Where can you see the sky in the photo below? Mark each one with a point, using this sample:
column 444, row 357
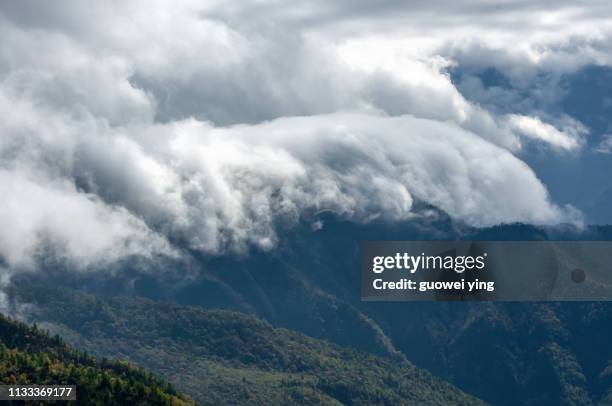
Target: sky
column 133, row 127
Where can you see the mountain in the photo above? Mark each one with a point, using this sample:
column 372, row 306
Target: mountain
column 504, row 353
column 223, row 357
column 30, row 356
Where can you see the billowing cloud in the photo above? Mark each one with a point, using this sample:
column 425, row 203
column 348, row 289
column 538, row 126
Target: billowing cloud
column 106, row 191
column 72, row 225
column 211, row 125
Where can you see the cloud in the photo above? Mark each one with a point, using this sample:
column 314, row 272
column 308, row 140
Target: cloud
column 73, row 225
column 218, row 188
column 605, row 146
column 216, row 125
column 535, row 128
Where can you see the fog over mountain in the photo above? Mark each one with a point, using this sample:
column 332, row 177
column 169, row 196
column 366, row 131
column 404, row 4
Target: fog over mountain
column 133, row 128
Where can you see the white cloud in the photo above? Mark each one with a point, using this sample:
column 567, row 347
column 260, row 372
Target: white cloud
column 77, row 226
column 217, row 188
column 535, row 128
column 605, row 146
column 213, row 124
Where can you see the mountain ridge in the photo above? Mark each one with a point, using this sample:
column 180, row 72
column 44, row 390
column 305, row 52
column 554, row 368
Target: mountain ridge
column 311, row 284
column 224, row 357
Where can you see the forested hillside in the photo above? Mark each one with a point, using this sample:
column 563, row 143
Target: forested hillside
column 28, row 355
column 223, row 357
column 504, row 353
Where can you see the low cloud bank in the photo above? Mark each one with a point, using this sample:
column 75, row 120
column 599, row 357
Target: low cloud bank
column 124, row 132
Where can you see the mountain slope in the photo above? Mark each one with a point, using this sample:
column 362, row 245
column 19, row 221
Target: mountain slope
column 222, row 357
column 504, row 353
column 30, row 356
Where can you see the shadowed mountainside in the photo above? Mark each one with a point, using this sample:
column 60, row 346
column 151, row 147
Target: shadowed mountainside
column 504, row 353
column 223, row 357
